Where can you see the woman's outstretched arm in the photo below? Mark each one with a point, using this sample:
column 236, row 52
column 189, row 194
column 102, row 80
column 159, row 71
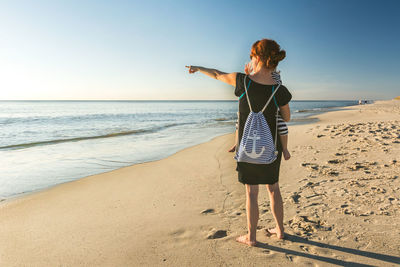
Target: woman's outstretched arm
column 229, row 78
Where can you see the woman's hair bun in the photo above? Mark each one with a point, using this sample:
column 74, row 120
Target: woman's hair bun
column 280, row 55
column 269, row 52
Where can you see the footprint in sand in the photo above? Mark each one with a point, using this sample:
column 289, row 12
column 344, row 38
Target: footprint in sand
column 214, row 234
column 341, row 154
column 309, row 185
column 206, row 211
column 357, row 166
column 266, row 251
column 333, row 161
column 306, row 226
column 294, row 198
column 304, row 248
column 378, row 189
column 264, row 210
column 311, row 166
column 333, row 173
column 289, row 257
column 336, row 161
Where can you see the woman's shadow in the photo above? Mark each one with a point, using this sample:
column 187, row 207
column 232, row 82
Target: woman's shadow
column 297, row 239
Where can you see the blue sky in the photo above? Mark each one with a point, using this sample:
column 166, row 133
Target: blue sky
column 139, row 49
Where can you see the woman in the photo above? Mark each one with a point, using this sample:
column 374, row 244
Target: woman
column 265, row 55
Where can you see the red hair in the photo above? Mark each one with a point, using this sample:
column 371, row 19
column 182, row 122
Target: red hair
column 269, row 51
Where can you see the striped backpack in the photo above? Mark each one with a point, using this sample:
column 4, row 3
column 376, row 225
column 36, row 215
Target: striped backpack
column 257, row 145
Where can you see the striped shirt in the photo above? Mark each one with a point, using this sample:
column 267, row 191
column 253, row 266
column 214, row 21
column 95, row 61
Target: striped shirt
column 282, row 127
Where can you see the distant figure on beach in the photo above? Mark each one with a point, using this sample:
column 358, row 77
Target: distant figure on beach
column 265, row 55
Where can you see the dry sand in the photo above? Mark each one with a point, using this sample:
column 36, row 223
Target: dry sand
column 340, row 190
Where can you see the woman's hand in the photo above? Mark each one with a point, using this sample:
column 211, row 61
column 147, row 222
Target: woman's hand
column 192, row 69
column 248, row 68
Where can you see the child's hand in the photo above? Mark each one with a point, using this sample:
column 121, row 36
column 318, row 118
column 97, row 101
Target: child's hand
column 248, row 68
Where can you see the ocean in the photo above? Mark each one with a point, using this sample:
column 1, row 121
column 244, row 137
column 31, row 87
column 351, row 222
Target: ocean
column 45, row 143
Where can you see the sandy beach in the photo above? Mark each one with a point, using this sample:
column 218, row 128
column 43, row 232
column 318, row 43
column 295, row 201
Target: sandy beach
column 341, row 205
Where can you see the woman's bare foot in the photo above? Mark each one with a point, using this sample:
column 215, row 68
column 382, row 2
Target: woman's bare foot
column 245, row 240
column 274, row 231
column 286, row 154
column 232, row 149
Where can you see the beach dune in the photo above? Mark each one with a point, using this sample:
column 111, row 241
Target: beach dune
column 340, row 190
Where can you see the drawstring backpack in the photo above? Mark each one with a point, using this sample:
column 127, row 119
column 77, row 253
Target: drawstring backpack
column 257, row 145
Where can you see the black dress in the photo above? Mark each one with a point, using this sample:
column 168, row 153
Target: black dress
column 249, row 173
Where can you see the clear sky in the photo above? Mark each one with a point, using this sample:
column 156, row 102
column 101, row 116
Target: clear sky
column 342, row 49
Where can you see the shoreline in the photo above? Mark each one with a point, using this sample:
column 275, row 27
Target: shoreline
column 339, row 189
column 21, row 195
column 308, row 119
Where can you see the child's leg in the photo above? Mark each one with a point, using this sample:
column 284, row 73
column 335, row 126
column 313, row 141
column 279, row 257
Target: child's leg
column 284, row 142
column 283, row 135
column 236, row 138
column 234, row 147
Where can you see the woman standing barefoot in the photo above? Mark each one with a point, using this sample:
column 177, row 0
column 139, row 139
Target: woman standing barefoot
column 265, row 55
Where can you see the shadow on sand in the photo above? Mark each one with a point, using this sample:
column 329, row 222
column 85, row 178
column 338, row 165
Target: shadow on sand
column 297, row 239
